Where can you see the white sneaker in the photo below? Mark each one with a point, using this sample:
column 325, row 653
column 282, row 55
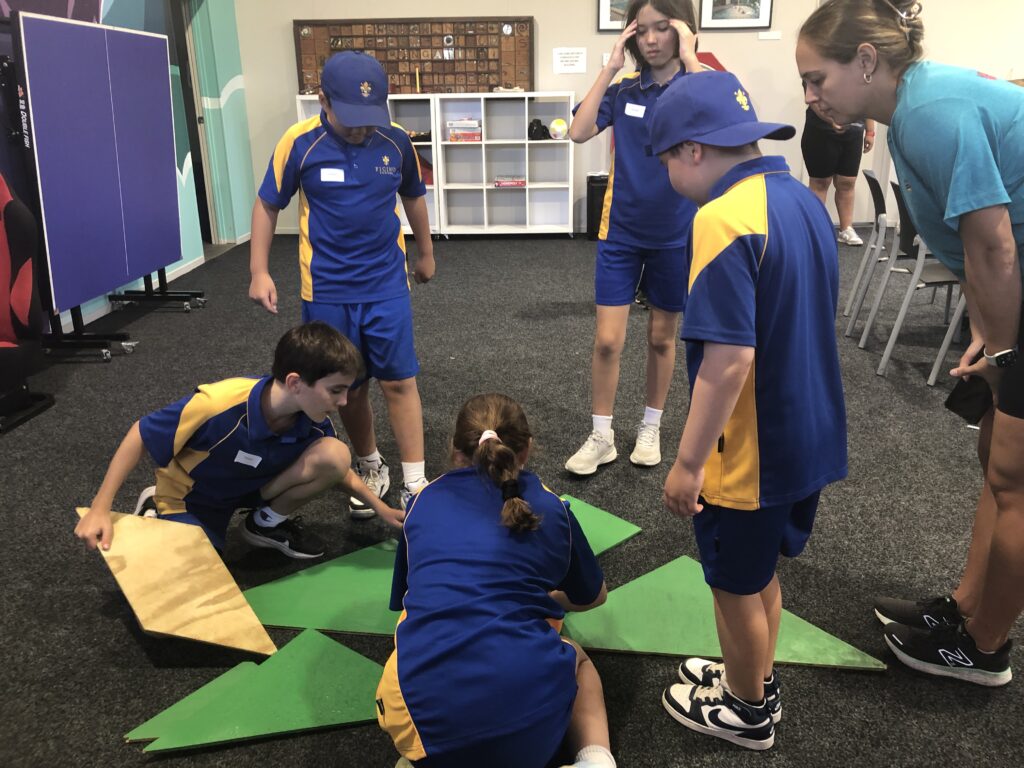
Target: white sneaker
column 647, row 452
column 378, row 480
column 146, row 504
column 849, row 237
column 597, row 450
column 408, row 493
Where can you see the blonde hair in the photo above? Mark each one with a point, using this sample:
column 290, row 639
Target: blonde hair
column 837, row 28
column 497, row 459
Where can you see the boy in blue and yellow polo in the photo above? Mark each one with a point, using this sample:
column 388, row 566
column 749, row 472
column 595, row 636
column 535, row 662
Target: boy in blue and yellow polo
column 347, row 165
column 266, row 444
column 644, row 225
column 766, row 429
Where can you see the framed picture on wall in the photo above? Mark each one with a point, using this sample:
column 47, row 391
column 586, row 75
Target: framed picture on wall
column 735, row 14
column 611, row 14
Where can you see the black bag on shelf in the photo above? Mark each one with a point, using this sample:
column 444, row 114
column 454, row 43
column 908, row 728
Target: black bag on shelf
column 537, row 130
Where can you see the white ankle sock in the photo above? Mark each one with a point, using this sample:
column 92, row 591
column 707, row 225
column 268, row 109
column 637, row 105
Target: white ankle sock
column 595, row 755
column 414, row 473
column 652, row 416
column 373, row 461
column 602, row 424
column 265, row 517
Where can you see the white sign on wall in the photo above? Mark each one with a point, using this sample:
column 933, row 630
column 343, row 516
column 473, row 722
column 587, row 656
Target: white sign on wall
column 569, row 61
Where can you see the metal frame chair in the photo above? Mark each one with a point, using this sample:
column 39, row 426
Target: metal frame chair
column 872, row 254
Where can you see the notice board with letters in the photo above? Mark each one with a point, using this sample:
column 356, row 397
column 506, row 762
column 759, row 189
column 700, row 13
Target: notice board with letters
column 455, row 55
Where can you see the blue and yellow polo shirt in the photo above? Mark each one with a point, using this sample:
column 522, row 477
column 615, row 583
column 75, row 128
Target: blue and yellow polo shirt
column 215, row 449
column 475, row 656
column 351, row 246
column 764, row 273
column 640, row 207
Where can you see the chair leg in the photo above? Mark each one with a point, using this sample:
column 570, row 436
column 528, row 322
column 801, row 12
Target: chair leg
column 949, row 303
column 951, row 331
column 879, row 293
column 865, row 283
column 901, row 316
column 868, row 251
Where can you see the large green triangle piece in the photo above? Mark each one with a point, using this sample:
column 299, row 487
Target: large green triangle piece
column 670, row 611
column 603, row 529
column 351, row 593
column 313, row 682
column 348, row 594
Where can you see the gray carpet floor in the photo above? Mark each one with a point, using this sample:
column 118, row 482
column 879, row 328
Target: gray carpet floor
column 513, row 315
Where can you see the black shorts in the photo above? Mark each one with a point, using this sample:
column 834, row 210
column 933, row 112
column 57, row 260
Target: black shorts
column 828, row 154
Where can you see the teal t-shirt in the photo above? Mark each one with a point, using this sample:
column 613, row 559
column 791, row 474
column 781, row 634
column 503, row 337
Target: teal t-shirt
column 957, row 140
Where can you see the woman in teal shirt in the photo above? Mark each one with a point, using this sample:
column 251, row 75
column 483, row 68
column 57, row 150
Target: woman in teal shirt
column 957, row 140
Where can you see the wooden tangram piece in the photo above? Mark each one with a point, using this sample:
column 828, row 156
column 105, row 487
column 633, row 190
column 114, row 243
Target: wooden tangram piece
column 670, row 611
column 178, row 586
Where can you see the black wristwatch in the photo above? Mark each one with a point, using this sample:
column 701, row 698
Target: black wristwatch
column 1003, row 359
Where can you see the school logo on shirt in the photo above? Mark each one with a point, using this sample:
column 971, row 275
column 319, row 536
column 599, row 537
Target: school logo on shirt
column 387, row 169
column 743, row 101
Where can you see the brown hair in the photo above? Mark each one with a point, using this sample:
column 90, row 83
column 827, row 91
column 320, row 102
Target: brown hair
column 837, row 28
column 498, row 459
column 674, row 9
column 315, row 350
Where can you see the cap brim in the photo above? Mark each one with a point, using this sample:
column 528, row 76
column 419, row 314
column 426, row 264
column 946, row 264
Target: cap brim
column 733, row 136
column 361, row 115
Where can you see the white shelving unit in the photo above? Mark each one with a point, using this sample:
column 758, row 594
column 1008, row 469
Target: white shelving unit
column 463, row 199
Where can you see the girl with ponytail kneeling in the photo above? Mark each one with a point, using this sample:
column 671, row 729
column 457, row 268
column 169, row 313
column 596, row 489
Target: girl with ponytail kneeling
column 488, row 563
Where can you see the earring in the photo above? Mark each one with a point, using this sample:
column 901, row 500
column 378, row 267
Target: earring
column 867, row 78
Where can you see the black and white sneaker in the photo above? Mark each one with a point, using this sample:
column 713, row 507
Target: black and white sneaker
column 949, row 652
column 289, row 537
column 697, row 671
column 714, row 711
column 146, row 505
column 920, row 614
column 378, row 480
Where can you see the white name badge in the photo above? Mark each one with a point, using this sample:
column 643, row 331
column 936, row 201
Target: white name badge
column 332, row 174
column 635, row 110
column 248, row 459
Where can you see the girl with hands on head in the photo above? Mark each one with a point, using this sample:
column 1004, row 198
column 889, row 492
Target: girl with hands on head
column 644, row 225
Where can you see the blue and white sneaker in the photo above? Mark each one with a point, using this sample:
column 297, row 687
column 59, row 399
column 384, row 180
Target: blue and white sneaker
column 714, row 711
column 709, row 673
column 948, row 651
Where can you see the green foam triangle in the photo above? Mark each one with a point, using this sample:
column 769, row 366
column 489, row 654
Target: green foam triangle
column 670, row 611
column 313, row 682
column 348, row 594
column 351, row 593
column 186, row 709
column 603, row 529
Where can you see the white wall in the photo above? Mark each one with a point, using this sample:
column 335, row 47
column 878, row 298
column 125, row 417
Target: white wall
column 983, row 34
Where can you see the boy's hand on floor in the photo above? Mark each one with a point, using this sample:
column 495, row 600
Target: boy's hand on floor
column 96, row 528
column 391, row 516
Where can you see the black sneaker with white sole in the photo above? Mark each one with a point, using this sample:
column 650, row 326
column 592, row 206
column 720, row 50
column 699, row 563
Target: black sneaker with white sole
column 698, row 671
column 948, row 651
column 920, row 614
column 289, row 537
column 714, row 711
column 146, row 504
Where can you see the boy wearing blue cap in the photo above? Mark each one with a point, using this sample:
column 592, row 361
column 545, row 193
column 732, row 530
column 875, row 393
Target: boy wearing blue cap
column 347, row 165
column 766, row 429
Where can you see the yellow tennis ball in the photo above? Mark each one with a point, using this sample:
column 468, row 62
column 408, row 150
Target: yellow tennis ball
column 558, row 128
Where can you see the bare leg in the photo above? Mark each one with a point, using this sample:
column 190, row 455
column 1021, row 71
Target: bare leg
column 820, row 189
column 749, row 641
column 1002, row 599
column 322, row 465
column 589, row 723
column 845, row 189
column 661, row 355
column 357, row 417
column 771, row 599
column 609, row 339
column 972, row 582
column 406, row 415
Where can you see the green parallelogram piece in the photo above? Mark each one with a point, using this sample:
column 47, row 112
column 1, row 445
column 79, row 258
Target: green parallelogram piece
column 348, row 594
column 603, row 529
column 670, row 611
column 313, row 682
column 211, row 694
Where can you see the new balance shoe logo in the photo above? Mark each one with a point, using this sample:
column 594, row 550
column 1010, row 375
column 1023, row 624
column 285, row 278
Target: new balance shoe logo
column 958, row 659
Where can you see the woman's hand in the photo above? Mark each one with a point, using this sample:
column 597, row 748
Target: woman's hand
column 617, row 60
column 687, row 45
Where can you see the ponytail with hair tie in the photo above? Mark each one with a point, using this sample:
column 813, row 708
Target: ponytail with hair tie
column 510, row 490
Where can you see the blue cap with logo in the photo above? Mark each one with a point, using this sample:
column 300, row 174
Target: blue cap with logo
column 708, row 108
column 357, row 87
